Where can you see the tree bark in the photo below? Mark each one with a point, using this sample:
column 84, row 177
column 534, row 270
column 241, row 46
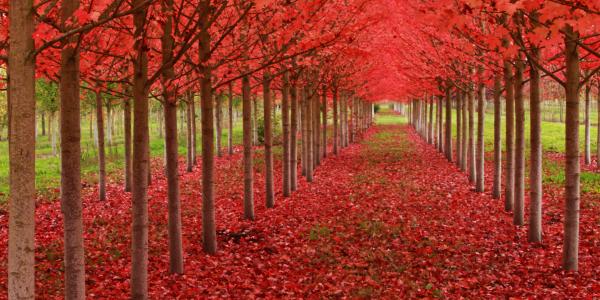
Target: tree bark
column 509, row 130
column 309, row 134
column 101, row 149
column 535, row 168
column 70, row 142
column 219, row 115
column 440, row 125
column 230, row 119
column 324, row 123
column 248, row 151
column 588, row 150
column 316, row 129
column 480, row 182
column 194, row 130
column 209, row 231
column 518, row 216
column 128, row 163
column 335, row 121
column 430, row 127
column 471, row 141
column 171, row 143
column 285, row 121
column 465, row 131
column 21, row 136
column 458, row 129
column 255, row 122
column 141, row 163
column 448, row 133
column 571, row 225
column 268, row 140
column 293, row 139
column 189, row 134
column 497, row 188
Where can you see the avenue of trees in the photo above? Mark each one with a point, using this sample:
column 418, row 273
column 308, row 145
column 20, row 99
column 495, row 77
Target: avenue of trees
column 308, row 59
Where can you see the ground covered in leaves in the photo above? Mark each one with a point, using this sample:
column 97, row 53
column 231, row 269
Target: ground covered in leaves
column 388, row 218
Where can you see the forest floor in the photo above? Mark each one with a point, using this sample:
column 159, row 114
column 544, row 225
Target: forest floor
column 387, row 218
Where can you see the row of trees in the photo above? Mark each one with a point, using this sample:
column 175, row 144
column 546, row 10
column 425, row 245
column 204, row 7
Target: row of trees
column 173, row 51
column 510, row 48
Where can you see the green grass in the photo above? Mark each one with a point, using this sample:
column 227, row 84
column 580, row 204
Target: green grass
column 47, row 166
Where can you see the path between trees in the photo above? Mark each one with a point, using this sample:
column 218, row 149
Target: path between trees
column 389, row 217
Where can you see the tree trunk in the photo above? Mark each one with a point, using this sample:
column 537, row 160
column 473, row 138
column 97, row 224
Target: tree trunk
column 141, row 163
column 335, row 121
column 109, row 123
column 189, row 134
column 285, row 121
column 293, row 137
column 471, row 141
column 458, row 129
column 571, row 225
column 598, row 129
column 496, row 189
column 194, row 130
column 448, row 133
column 209, row 232
column 440, row 125
column 465, row 131
column 21, row 136
column 430, row 127
column 509, row 130
column 268, row 139
column 230, row 119
column 303, row 129
column 43, row 124
column 518, row 216
column 324, row 135
column 316, row 114
column 127, row 124
column 248, row 151
column 535, row 168
column 101, row 149
column 588, row 150
column 70, row 142
column 309, row 134
column 219, row 115
column 480, row 182
column 255, row 122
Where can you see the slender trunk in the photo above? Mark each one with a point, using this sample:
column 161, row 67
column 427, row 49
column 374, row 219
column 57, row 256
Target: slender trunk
column 458, row 129
column 128, row 163
column 335, row 121
column 101, row 149
column 324, row 135
column 303, row 129
column 571, row 225
column 293, row 137
column 141, row 163
column 309, row 134
column 510, row 123
column 285, row 121
column 316, row 110
column 70, row 148
column 230, row 119
column 440, row 125
column 268, row 139
column 209, row 232
column 248, row 151
column 465, row 131
column 254, row 122
column 21, row 136
column 448, row 133
column 109, row 122
column 53, row 134
column 588, row 150
column 518, row 216
column 480, row 182
column 471, row 141
column 496, row 189
column 535, row 168
column 430, row 127
column 189, row 134
column 598, row 129
column 194, row 130
column 43, row 123
column 219, row 115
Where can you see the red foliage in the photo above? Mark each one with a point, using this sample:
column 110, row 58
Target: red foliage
column 387, row 218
